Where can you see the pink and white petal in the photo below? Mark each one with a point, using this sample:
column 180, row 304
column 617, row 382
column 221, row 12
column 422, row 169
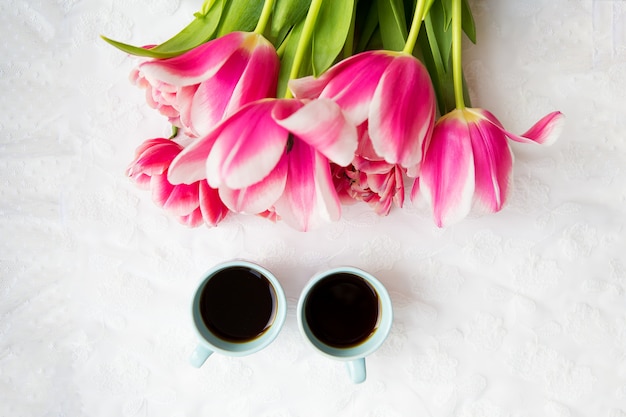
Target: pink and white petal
column 355, row 80
column 156, row 145
column 447, row 173
column 398, row 197
column 402, row 113
column 179, row 200
column 212, row 208
column 249, row 146
column 414, row 171
column 270, row 215
column 415, row 191
column 153, row 157
column 141, row 180
column 194, row 219
column 257, row 81
column 190, row 165
column 493, row 162
column 309, row 198
column 365, row 149
column 196, row 65
column 372, row 167
column 308, row 87
column 184, row 99
column 351, row 83
column 322, row 124
column 545, row 132
column 211, row 100
column 258, row 197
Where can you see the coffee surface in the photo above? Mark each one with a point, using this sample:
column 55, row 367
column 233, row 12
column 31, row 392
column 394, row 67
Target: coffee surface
column 342, row 310
column 238, row 304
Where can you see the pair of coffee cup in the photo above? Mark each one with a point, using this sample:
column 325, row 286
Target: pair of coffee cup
column 239, row 308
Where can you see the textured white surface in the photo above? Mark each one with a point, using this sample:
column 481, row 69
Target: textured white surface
column 517, row 314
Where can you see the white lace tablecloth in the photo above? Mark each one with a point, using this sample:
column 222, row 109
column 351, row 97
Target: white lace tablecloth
column 518, row 314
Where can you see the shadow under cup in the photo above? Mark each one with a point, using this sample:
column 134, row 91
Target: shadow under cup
column 238, row 309
column 345, row 314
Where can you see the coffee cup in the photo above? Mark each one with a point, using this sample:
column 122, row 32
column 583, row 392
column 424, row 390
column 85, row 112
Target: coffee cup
column 345, row 314
column 238, row 309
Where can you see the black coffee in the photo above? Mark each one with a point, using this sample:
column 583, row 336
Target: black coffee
column 342, row 310
column 238, row 304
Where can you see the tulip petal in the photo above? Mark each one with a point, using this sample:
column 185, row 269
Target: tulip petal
column 258, row 197
column 259, row 79
column 545, row 132
column 211, row 206
column 238, row 82
column 321, row 124
column 350, row 83
column 402, row 112
column 493, row 162
column 193, row 219
column 190, row 165
column 447, row 173
column 213, row 96
column 398, row 197
column 309, row 198
column 195, row 65
column 179, row 199
column 249, row 146
column 153, row 157
column 308, row 87
column 184, row 99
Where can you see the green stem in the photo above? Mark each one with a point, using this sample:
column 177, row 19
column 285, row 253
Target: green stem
column 268, row 5
column 416, row 24
column 305, row 39
column 457, row 67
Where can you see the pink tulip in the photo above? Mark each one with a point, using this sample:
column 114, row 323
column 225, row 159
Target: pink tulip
column 468, row 163
column 199, row 88
column 274, row 155
column 193, row 204
column 391, row 91
column 370, row 179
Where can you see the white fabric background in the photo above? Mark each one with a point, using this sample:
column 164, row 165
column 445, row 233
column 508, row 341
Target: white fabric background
column 518, row 314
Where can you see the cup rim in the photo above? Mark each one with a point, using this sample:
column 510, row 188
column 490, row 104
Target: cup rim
column 234, row 348
column 370, row 345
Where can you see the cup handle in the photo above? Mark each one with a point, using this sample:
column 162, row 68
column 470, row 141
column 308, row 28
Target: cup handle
column 356, row 370
column 199, row 356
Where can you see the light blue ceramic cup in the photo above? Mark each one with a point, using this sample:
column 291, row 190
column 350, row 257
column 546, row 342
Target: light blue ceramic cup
column 209, row 342
column 353, row 356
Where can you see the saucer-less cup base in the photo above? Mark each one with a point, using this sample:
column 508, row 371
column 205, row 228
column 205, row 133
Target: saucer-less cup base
column 210, row 342
column 353, row 356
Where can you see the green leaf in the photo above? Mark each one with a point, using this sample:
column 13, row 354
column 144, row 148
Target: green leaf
column 468, row 24
column 134, row 50
column 240, row 15
column 392, row 24
column 442, row 80
column 200, row 30
column 286, row 14
column 428, row 5
column 367, row 23
column 439, row 30
column 329, row 36
column 446, row 5
column 375, row 42
column 196, row 33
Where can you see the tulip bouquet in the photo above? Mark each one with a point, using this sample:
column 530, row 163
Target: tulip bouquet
column 288, row 109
